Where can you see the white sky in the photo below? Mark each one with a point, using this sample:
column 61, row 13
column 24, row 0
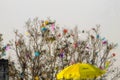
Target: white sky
column 84, row 13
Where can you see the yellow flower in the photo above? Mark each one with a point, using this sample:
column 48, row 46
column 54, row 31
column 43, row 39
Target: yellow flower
column 27, row 33
column 46, row 22
column 36, row 78
column 107, row 64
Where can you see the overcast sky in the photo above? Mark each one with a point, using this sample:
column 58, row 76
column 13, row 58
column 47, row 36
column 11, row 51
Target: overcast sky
column 68, row 13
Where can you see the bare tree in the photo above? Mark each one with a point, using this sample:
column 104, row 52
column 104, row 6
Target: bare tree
column 45, row 49
column 2, row 49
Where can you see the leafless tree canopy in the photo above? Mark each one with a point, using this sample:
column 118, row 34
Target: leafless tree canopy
column 46, row 48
